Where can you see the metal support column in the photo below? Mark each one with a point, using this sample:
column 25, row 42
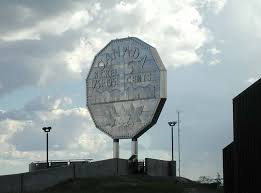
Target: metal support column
column 172, row 151
column 47, row 161
column 47, row 130
column 172, row 124
column 116, row 149
column 179, row 142
column 134, row 147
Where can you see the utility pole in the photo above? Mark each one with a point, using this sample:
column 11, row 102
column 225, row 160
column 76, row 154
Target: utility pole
column 179, row 140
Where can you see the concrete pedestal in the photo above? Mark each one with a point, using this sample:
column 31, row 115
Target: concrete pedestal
column 172, row 168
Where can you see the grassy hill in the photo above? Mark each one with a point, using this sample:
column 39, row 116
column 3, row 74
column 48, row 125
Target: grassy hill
column 129, row 184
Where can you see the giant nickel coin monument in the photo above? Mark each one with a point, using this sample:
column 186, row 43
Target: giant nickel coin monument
column 126, row 90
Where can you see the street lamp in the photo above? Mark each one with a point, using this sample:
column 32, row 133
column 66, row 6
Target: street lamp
column 47, row 130
column 172, row 124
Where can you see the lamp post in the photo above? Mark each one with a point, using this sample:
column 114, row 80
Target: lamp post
column 179, row 141
column 47, row 130
column 172, row 124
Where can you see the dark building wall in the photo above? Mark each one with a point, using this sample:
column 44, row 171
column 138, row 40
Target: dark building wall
column 36, row 166
column 39, row 180
column 43, row 178
column 35, row 181
column 155, row 167
column 228, row 168
column 247, row 139
column 11, row 183
column 109, row 167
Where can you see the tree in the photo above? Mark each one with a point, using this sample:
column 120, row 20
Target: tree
column 218, row 179
column 205, row 179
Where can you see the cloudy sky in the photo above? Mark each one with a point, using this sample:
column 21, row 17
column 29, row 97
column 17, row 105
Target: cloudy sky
column 211, row 49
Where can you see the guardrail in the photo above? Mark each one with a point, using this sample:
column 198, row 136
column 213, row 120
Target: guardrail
column 38, row 165
column 69, row 160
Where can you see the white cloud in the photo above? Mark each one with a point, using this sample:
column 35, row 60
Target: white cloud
column 214, row 56
column 21, row 137
column 252, row 80
column 215, row 5
column 65, row 42
column 83, row 53
column 248, row 23
column 214, row 51
column 214, row 62
column 48, row 103
column 60, row 46
column 90, row 141
column 125, row 7
column 149, row 21
column 56, row 26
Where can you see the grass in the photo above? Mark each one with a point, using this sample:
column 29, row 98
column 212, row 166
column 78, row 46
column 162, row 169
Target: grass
column 129, row 184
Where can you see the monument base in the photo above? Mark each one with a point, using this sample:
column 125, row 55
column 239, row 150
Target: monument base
column 116, row 167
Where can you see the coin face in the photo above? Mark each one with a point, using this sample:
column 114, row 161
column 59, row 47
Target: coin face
column 126, row 88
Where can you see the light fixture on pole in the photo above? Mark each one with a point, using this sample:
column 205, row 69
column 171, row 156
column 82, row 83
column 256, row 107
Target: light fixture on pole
column 172, row 124
column 47, row 130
